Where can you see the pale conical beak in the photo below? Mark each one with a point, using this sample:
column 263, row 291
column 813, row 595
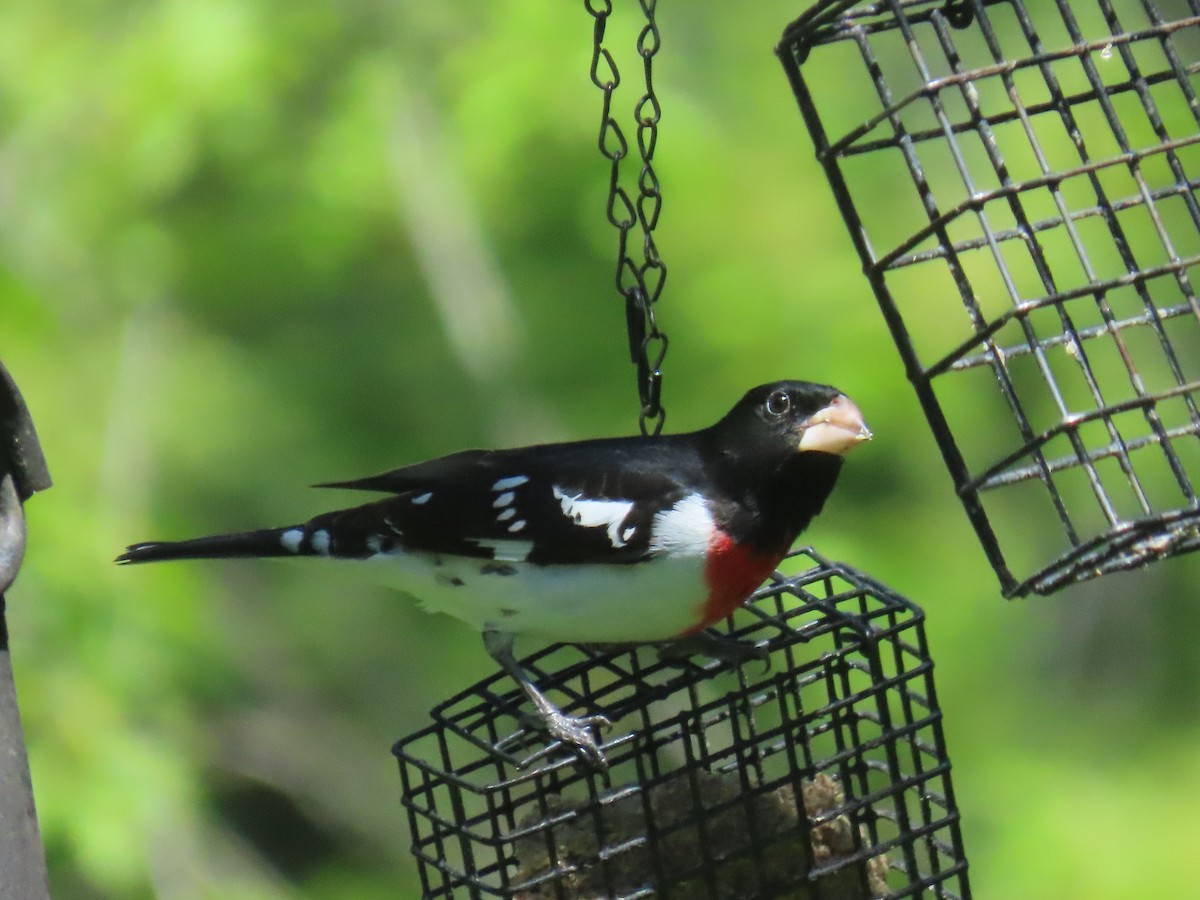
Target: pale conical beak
column 838, row 428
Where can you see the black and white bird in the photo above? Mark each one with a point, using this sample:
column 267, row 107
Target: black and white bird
column 617, row 540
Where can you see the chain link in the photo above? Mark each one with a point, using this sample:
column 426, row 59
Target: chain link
column 640, row 283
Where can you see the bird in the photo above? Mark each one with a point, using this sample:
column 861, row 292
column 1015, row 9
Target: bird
column 621, row 540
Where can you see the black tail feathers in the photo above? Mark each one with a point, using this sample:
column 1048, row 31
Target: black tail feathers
column 293, row 541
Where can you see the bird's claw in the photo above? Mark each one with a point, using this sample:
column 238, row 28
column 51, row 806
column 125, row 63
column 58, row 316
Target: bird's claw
column 575, row 732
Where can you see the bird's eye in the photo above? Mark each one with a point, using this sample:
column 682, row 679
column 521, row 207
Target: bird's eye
column 778, row 403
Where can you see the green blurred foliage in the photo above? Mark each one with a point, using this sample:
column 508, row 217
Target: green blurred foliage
column 251, row 245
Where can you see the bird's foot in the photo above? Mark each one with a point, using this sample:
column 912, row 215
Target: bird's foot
column 714, row 646
column 577, row 733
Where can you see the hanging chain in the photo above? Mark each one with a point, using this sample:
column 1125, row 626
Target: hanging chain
column 640, row 284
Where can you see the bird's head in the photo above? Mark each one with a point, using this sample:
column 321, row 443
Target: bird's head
column 789, row 417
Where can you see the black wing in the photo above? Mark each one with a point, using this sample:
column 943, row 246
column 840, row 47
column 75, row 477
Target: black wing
column 592, row 501
column 420, row 475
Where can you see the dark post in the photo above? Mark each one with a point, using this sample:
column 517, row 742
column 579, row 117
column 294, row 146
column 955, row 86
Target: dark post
column 22, row 472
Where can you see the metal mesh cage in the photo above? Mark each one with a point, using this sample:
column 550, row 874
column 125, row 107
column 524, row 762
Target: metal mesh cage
column 1018, row 179
column 822, row 775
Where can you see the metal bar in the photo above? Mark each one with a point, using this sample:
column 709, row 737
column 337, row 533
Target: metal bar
column 1033, row 109
column 1002, row 67
column 958, row 361
column 22, row 859
column 22, row 471
column 833, row 172
column 978, row 201
column 987, row 479
column 1181, row 190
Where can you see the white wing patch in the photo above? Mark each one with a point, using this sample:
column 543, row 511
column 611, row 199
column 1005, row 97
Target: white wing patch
column 291, row 539
column 607, row 514
column 683, row 530
column 320, row 542
column 423, row 499
column 504, row 501
column 507, row 484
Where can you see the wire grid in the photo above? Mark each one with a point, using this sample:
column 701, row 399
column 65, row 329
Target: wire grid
column 1018, row 179
column 823, row 776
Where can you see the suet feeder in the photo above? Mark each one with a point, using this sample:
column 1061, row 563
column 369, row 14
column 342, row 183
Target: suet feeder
column 819, row 772
column 1018, row 179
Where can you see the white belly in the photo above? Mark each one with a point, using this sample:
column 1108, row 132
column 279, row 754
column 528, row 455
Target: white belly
column 646, row 601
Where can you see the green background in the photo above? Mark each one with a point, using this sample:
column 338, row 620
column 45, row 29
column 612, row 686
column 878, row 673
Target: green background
column 246, row 246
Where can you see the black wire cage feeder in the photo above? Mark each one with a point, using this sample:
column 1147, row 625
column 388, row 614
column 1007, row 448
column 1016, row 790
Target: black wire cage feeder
column 818, row 773
column 1018, row 178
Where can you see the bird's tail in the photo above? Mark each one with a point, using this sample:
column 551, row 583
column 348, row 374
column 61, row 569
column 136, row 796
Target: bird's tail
column 291, row 541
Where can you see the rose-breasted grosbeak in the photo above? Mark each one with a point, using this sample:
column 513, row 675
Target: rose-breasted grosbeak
column 618, row 540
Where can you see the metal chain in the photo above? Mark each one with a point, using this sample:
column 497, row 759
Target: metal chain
column 639, row 283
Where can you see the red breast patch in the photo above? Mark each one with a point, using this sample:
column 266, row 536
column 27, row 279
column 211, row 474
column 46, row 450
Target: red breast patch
column 732, row 572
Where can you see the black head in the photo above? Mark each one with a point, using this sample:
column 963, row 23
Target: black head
column 777, row 421
column 777, row 455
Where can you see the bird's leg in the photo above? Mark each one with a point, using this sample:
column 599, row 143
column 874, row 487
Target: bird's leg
column 714, row 646
column 575, row 732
